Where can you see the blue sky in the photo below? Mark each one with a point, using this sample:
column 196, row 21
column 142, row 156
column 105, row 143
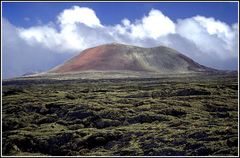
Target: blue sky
column 38, row 36
column 16, row 12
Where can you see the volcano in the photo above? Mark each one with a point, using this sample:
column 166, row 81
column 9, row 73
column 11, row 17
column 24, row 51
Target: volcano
column 119, row 57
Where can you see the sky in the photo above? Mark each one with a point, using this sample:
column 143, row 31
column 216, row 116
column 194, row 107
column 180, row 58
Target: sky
column 37, row 36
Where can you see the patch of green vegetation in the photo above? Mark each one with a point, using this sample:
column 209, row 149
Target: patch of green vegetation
column 191, row 116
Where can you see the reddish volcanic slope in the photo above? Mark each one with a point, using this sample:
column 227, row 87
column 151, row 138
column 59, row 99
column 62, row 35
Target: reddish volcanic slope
column 106, row 57
column 111, row 57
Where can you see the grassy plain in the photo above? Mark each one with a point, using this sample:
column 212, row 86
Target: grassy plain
column 152, row 116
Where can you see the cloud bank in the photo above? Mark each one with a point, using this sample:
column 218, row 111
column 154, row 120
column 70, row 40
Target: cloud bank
column 19, row 57
column 206, row 40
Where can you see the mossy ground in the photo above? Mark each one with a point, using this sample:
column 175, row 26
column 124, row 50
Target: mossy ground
column 161, row 116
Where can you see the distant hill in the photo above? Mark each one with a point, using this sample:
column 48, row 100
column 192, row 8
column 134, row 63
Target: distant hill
column 119, row 57
column 30, row 73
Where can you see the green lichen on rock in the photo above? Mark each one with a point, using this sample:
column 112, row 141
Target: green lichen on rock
column 191, row 116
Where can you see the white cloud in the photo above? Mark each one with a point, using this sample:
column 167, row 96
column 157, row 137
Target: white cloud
column 18, row 57
column 226, row 33
column 78, row 14
column 126, row 22
column 152, row 26
column 156, row 24
column 41, row 34
column 213, row 26
column 213, row 38
column 69, row 38
column 205, row 39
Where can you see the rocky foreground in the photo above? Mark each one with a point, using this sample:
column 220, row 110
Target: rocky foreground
column 155, row 116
